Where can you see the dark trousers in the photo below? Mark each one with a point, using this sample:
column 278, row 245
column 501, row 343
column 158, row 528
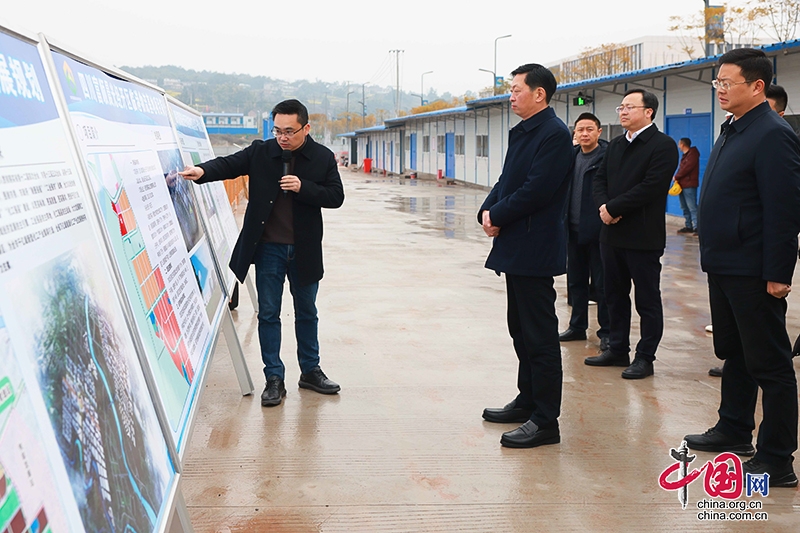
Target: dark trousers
column 583, row 261
column 622, row 266
column 533, row 325
column 750, row 336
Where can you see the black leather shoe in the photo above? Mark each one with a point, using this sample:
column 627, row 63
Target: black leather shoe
column 714, row 441
column 274, row 392
column 572, row 335
column 639, row 369
column 509, row 413
column 715, row 372
column 778, row 476
column 316, row 380
column 529, row 435
column 605, row 344
column 607, row 359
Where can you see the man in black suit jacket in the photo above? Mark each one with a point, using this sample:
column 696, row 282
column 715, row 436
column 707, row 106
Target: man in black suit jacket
column 750, row 218
column 630, row 189
column 282, row 236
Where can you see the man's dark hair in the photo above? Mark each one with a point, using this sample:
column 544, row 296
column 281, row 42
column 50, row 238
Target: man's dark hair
column 292, row 107
column 686, row 141
column 777, row 93
column 754, row 63
column 589, row 116
column 648, row 99
column 538, row 76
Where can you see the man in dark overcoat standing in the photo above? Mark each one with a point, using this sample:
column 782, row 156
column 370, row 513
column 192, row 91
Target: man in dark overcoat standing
column 526, row 214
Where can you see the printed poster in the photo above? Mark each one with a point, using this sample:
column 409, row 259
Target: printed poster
column 81, row 448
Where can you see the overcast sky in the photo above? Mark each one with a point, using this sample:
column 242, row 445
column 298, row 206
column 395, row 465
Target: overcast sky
column 341, row 41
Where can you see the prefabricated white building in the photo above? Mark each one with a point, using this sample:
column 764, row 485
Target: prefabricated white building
column 468, row 143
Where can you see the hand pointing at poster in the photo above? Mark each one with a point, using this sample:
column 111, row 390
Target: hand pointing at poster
column 192, row 173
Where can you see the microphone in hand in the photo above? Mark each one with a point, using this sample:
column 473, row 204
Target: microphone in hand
column 286, row 156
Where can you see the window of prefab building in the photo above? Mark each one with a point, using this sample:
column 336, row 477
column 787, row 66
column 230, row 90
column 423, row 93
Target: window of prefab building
column 482, row 145
column 236, row 120
column 459, row 145
column 426, row 143
column 440, row 143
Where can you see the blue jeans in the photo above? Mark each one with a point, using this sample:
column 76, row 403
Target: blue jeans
column 688, row 198
column 274, row 262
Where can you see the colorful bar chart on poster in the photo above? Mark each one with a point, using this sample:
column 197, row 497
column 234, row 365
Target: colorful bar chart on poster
column 75, row 411
column 196, row 148
column 162, row 254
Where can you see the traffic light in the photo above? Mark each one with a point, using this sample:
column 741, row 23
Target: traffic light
column 582, row 100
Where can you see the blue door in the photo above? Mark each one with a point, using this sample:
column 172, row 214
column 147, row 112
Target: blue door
column 450, row 155
column 391, row 156
column 698, row 128
column 412, row 163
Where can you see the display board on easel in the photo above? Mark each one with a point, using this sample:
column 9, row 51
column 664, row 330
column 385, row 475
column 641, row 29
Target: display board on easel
column 128, row 148
column 195, row 147
column 81, row 444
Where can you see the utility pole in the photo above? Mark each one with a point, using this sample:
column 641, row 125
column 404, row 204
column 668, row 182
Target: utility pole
column 397, row 65
column 363, row 106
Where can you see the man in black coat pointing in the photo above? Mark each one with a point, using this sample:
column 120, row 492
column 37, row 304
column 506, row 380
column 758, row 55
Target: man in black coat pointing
column 282, row 236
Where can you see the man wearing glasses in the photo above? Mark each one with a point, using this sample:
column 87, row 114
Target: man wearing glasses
column 630, row 189
column 282, row 236
column 750, row 206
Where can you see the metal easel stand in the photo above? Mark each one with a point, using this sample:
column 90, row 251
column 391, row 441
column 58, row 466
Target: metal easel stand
column 237, row 354
column 179, row 516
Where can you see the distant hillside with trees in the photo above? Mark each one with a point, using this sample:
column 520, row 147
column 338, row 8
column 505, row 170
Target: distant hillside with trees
column 327, row 102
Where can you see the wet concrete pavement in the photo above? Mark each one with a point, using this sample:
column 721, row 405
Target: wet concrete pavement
column 413, row 328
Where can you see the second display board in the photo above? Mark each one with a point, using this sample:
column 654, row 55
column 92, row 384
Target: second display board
column 163, row 256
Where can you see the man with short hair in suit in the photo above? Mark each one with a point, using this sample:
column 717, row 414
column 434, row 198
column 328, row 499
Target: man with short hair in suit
column 750, row 209
column 630, row 189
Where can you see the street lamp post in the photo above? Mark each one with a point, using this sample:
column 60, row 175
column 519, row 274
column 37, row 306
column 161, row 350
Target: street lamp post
column 422, row 87
column 493, row 76
column 494, row 70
